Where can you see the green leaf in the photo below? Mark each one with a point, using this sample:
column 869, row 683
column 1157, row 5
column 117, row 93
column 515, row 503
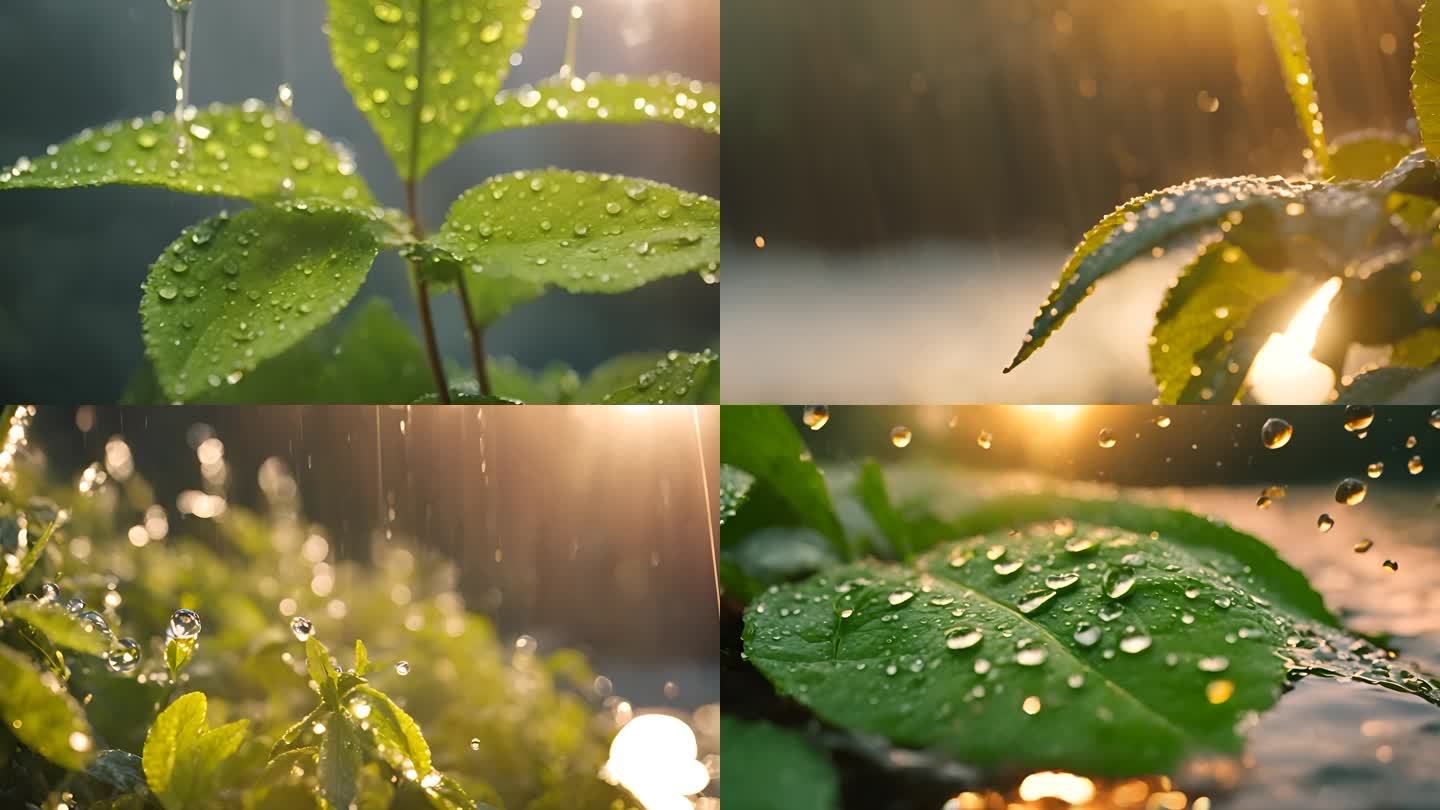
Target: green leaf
column 1216, row 299
column 41, row 714
column 289, row 739
column 734, row 489
column 761, row 440
column 176, row 729
column 322, row 672
column 579, row 231
column 665, row 99
column 121, row 771
column 340, row 762
column 63, row 628
column 178, row 652
column 234, row 291
column 198, row 764
column 449, row 795
column 1367, row 154
column 423, row 72
column 769, row 556
column 397, row 732
column 12, row 576
column 362, row 658
column 771, row 768
column 1106, row 651
column 677, row 378
column 1393, row 386
column 870, row 489
column 1289, row 41
column 247, row 152
column 1425, row 77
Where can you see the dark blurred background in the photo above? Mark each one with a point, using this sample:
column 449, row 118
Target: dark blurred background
column 584, row 526
column 919, row 171
column 73, row 260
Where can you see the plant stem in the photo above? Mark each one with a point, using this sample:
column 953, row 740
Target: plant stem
column 477, row 337
column 412, row 210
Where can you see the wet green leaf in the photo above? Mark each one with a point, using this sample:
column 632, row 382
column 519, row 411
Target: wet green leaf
column 1215, row 300
column 761, row 440
column 677, row 378
column 1394, row 386
column 232, row 292
column 119, row 770
column 41, row 714
column 322, row 671
column 870, row 489
column 340, row 762
column 63, row 628
column 667, row 99
column 245, row 152
column 1367, row 154
column 12, row 576
column 362, row 658
column 1289, row 41
column 176, row 730
column 734, row 489
column 396, row 731
column 1425, row 77
column 771, row 768
column 1079, row 646
column 178, row 652
column 424, row 72
column 579, row 231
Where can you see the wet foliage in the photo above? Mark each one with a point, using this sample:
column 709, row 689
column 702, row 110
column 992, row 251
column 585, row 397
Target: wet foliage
column 1358, row 227
column 236, row 294
column 145, row 669
column 1028, row 632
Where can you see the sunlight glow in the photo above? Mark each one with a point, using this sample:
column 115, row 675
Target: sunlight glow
column 654, row 757
column 1055, row 413
column 1067, row 787
column 1284, row 371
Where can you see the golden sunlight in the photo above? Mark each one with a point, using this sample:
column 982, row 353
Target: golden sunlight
column 1067, row 787
column 1283, row 370
column 654, row 757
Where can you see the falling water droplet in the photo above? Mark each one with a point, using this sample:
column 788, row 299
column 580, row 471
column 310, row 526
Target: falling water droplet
column 1106, row 438
column 984, row 440
column 1350, row 491
column 1375, row 469
column 816, row 416
column 900, row 436
column 1363, row 546
column 1358, row 417
column 1324, row 523
column 402, row 668
column 1415, row 465
column 301, row 627
column 1275, row 433
column 572, row 41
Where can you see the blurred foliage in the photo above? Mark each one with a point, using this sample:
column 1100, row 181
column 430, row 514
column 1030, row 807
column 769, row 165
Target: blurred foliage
column 504, row 726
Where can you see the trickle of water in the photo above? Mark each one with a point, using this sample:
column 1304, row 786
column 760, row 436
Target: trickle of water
column 1275, row 433
column 900, row 436
column 183, row 624
column 302, row 628
column 816, row 416
column 963, row 638
column 1324, row 523
column 1358, row 417
column 402, row 668
column 572, row 41
column 1350, row 491
column 1106, row 438
column 124, row 657
column 180, row 26
column 984, row 440
column 284, row 113
column 1118, row 581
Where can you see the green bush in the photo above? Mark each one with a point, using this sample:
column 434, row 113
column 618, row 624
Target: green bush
column 234, row 701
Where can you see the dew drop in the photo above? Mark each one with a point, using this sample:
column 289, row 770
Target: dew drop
column 1133, row 644
column 1364, row 545
column 963, row 638
column 1415, row 465
column 1391, row 565
column 1034, row 600
column 1005, row 569
column 1030, row 654
column 1087, row 634
column 1118, row 581
column 124, row 657
column 183, row 624
column 1058, row 581
column 301, row 627
column 1375, row 469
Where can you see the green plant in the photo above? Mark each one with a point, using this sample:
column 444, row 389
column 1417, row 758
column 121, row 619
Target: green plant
column 1109, row 638
column 253, row 711
column 234, row 292
column 1363, row 219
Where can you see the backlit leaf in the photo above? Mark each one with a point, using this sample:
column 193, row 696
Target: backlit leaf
column 174, row 730
column 1289, row 40
column 396, row 730
column 234, row 291
column 734, row 489
column 63, row 628
column 41, row 714
column 1425, row 77
column 424, row 71
column 667, row 99
column 677, row 378
column 242, row 151
column 340, row 762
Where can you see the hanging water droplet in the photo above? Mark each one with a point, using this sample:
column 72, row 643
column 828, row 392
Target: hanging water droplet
column 183, row 624
column 963, row 638
column 402, row 668
column 900, row 436
column 124, row 657
column 1324, row 523
column 301, row 627
column 984, row 440
column 816, row 416
column 1118, row 581
column 1350, row 491
column 1275, row 433
column 1106, row 438
column 1358, row 417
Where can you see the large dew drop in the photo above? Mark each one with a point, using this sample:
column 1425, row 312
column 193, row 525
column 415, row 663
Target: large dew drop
column 963, row 638
column 183, row 624
column 301, row 627
column 1275, row 433
column 1118, row 581
column 124, row 657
